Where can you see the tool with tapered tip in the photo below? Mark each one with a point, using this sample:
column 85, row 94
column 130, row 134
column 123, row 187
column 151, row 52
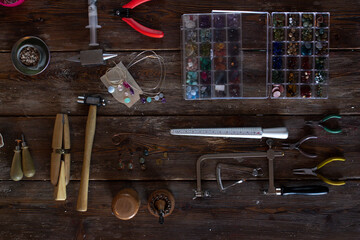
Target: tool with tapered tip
column 16, row 172
column 27, row 161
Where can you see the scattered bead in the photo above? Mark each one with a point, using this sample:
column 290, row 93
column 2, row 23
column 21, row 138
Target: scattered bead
column 141, row 160
column 161, row 95
column 148, row 99
column 111, row 89
column 157, row 98
column 121, row 165
column 146, row 152
column 127, row 100
column 130, row 166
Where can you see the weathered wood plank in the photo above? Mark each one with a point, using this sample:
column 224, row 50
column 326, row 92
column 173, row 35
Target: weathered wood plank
column 29, row 212
column 57, row 88
column 62, row 23
column 152, row 133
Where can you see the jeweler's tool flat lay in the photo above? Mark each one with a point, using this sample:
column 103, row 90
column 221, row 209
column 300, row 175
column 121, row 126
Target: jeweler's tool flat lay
column 313, row 171
column 242, row 132
column 124, row 13
column 226, row 97
column 323, row 121
column 60, row 168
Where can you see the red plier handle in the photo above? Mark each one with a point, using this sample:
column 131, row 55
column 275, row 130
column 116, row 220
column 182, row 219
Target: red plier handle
column 125, row 13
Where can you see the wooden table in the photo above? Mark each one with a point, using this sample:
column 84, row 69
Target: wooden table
column 29, row 105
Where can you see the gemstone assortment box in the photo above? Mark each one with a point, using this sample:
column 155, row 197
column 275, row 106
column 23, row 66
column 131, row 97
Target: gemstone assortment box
column 212, row 54
column 300, row 55
column 212, row 59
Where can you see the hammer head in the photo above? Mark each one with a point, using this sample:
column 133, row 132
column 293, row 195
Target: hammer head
column 92, row 100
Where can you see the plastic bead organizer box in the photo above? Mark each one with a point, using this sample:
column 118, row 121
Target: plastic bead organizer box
column 255, row 55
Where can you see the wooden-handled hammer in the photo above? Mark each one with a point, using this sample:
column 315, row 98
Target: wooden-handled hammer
column 94, row 102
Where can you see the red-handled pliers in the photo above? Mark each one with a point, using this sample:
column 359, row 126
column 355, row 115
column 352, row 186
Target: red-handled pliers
column 124, row 13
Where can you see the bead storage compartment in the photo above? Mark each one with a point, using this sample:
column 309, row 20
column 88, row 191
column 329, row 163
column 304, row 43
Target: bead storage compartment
column 300, row 55
column 212, row 65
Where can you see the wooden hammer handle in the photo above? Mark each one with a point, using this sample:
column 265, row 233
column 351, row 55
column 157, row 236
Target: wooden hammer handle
column 89, row 139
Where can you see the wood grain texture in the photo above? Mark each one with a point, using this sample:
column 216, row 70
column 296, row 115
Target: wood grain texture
column 137, row 133
column 240, row 213
column 56, row 90
column 29, row 104
column 56, row 21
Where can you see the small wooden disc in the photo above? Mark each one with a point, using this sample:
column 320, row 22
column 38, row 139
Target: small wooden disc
column 125, row 204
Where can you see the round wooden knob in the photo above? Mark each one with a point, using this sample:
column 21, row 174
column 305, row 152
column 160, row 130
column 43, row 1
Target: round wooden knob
column 126, row 204
column 161, row 201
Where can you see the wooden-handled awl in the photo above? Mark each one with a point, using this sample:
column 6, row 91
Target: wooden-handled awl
column 60, row 168
column 94, row 102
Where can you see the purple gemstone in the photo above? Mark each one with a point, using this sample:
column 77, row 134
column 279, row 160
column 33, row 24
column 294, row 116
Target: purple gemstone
column 163, row 100
column 219, row 21
column 126, row 85
column 143, row 100
column 204, row 21
column 132, row 91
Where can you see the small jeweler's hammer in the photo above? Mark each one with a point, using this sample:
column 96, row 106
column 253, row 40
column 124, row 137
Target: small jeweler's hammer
column 94, row 102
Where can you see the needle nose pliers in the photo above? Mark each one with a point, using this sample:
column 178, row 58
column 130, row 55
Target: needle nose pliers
column 296, row 146
column 124, row 13
column 322, row 122
column 312, row 171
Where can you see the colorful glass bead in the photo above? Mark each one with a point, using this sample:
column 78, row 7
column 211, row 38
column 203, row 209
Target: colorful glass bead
column 233, row 20
column 204, row 21
column 111, row 89
column 125, row 84
column 233, row 35
column 205, row 63
column 191, row 36
column 205, row 49
column 191, row 64
column 148, row 99
column 205, row 78
column 205, row 35
column 190, row 21
column 219, row 21
column 127, row 100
